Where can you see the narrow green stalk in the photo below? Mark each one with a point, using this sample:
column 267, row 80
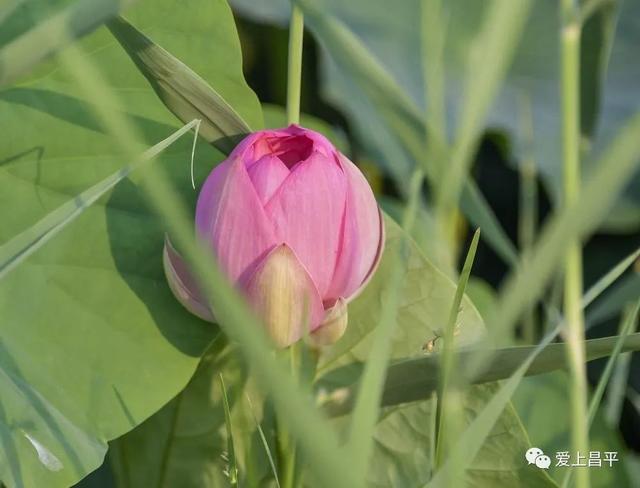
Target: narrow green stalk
column 287, row 448
column 433, row 33
column 289, row 472
column 294, row 67
column 286, row 444
column 287, row 454
column 528, row 212
column 627, row 326
column 574, row 331
column 448, row 355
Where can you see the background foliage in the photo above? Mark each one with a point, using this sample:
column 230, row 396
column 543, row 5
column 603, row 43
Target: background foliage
column 93, row 347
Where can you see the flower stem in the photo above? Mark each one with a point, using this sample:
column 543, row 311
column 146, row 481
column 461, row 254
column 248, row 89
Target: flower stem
column 574, row 333
column 302, row 371
column 284, row 458
column 286, row 445
column 294, row 67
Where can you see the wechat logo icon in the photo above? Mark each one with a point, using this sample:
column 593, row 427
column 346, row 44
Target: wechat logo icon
column 536, row 456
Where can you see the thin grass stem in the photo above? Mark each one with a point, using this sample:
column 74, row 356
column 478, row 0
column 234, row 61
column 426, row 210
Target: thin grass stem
column 574, row 316
column 294, row 66
column 448, row 354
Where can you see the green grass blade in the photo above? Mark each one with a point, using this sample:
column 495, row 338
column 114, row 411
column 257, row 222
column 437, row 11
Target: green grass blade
column 232, row 464
column 265, row 444
column 630, row 320
column 612, row 410
column 432, row 36
column 185, row 93
column 415, row 379
column 603, row 283
column 479, row 212
column 13, row 252
column 449, row 355
column 47, row 38
column 370, row 388
column 624, row 291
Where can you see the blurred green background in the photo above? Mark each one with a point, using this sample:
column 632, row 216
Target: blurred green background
column 497, row 166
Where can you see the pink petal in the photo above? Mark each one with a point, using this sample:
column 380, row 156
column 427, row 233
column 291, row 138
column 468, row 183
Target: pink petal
column 267, row 175
column 230, row 216
column 291, row 144
column 320, row 143
column 291, row 149
column 362, row 235
column 375, row 264
column 306, row 213
column 252, row 147
column 257, row 144
column 333, row 326
column 182, row 284
column 283, row 294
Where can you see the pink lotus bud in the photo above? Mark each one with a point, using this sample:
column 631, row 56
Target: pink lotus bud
column 295, row 225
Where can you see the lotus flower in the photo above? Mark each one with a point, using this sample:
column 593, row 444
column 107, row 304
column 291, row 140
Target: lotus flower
column 294, row 224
